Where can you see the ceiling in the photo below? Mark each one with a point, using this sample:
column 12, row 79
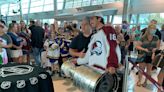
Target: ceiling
column 7, row 1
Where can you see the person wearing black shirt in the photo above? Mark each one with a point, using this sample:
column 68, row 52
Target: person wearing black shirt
column 79, row 44
column 37, row 37
column 157, row 33
column 32, row 24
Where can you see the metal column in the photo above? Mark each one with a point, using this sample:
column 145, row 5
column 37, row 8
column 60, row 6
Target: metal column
column 125, row 10
column 129, row 17
column 125, row 84
column 64, row 3
column 138, row 16
column 81, row 3
column 112, row 18
column 108, row 18
column 43, row 5
column 20, row 9
column 55, row 8
column 90, row 2
column 6, row 19
column 125, row 17
column 28, row 13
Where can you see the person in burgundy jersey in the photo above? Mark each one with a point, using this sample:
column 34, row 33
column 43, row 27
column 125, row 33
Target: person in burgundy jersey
column 103, row 51
column 97, row 22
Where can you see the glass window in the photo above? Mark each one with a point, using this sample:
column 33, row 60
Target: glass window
column 96, row 2
column 14, row 9
column 24, row 11
column 69, row 0
column 69, row 4
column 11, row 13
column 49, row 7
column 117, row 19
column 109, row 1
column 105, row 19
column 77, row 3
column 60, row 0
column 37, row 3
column 4, row 6
column 36, row 9
column 4, row 13
column 49, row 21
column 4, row 9
column 25, row 1
column 60, row 6
column 86, row 2
column 144, row 19
column 133, row 19
column 24, row 5
column 49, row 2
column 34, row 0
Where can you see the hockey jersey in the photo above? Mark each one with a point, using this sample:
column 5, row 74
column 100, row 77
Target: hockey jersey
column 103, row 50
column 53, row 49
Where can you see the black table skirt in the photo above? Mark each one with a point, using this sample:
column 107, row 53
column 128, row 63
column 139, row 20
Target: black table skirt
column 24, row 78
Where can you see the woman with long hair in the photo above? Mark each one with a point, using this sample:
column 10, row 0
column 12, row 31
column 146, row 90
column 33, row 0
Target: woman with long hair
column 146, row 46
column 26, row 34
column 16, row 50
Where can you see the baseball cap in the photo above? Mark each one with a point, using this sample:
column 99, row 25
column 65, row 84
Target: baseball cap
column 97, row 14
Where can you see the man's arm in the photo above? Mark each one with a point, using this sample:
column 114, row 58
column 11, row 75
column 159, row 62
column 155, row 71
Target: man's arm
column 75, row 53
column 84, row 60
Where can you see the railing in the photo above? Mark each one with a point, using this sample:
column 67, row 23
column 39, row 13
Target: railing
column 130, row 60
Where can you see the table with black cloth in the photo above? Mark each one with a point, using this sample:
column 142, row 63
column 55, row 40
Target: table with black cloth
column 24, row 78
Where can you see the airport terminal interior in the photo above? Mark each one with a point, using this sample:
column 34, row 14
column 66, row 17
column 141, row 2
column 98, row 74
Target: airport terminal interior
column 81, row 45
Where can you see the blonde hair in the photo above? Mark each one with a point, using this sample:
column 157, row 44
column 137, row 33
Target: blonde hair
column 147, row 32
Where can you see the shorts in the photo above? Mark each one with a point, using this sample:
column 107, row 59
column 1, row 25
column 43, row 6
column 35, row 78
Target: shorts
column 53, row 60
column 16, row 53
column 148, row 60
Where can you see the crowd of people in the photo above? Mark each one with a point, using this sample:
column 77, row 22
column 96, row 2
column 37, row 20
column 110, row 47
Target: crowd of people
column 97, row 44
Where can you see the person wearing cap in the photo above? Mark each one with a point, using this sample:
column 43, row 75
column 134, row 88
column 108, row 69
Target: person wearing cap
column 5, row 44
column 103, row 51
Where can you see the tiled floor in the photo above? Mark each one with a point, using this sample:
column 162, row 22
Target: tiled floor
column 64, row 85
